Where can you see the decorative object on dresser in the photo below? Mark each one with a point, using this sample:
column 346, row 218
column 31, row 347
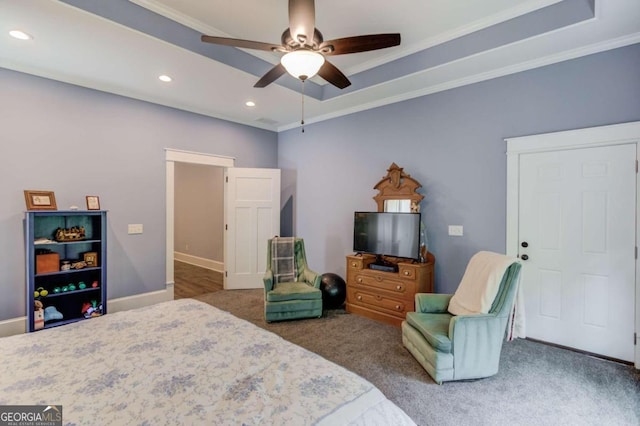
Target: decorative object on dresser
column 383, row 287
column 59, row 248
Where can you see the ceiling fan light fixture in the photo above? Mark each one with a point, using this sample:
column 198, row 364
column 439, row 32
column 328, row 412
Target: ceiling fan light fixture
column 302, row 64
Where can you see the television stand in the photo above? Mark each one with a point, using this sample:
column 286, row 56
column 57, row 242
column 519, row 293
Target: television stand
column 386, row 295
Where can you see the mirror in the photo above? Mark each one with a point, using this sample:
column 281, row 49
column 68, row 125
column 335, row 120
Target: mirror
column 397, row 192
column 397, row 206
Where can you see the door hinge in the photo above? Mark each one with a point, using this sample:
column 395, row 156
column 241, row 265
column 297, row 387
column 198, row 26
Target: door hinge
column 636, row 254
column 226, row 228
column 225, row 274
column 635, row 339
column 226, row 178
column 636, row 166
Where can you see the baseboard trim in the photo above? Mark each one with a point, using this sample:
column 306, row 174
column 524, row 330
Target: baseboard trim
column 214, row 265
column 18, row 325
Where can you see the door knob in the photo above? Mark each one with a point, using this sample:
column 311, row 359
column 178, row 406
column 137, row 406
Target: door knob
column 525, row 244
column 524, row 257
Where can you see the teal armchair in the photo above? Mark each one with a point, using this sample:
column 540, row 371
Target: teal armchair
column 292, row 297
column 456, row 347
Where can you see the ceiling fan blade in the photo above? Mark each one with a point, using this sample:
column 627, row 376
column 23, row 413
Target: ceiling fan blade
column 247, row 44
column 271, row 76
column 302, row 21
column 363, row 43
column 333, row 75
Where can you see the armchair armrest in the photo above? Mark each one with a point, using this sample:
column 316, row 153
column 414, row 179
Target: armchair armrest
column 268, row 280
column 312, row 277
column 432, row 303
column 476, row 342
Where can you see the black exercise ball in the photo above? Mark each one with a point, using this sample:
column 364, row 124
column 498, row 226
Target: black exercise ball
column 334, row 291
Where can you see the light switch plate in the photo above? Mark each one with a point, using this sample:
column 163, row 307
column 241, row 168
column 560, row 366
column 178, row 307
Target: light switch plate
column 135, row 228
column 455, row 230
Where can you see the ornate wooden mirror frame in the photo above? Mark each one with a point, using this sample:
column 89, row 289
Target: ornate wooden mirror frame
column 398, row 188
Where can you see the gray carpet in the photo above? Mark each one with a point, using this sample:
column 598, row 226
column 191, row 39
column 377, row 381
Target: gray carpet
column 537, row 384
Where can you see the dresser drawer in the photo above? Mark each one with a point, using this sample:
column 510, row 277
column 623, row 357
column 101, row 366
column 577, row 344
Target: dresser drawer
column 355, row 263
column 370, row 300
column 376, row 281
column 407, row 272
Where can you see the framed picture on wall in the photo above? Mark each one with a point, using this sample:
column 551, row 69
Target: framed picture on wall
column 93, row 202
column 40, row 200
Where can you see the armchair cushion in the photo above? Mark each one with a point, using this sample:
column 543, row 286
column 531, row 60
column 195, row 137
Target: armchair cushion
column 433, row 327
column 293, row 291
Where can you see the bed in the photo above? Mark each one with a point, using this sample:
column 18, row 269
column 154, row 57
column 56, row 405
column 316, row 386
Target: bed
column 183, row 362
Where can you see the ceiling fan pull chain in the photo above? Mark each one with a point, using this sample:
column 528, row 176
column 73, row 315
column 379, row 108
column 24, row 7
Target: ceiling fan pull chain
column 302, row 119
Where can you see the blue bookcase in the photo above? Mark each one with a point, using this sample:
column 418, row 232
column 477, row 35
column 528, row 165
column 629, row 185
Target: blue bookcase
column 66, row 261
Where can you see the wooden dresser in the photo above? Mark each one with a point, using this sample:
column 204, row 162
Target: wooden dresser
column 386, row 296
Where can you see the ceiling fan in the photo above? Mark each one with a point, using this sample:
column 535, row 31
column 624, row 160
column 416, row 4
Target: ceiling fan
column 305, row 49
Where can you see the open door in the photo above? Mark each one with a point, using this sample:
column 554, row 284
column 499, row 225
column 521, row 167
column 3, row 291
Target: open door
column 252, row 216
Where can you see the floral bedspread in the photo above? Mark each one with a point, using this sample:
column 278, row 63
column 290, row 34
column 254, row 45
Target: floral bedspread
column 183, row 362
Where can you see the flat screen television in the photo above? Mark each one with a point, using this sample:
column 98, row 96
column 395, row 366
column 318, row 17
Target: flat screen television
column 387, row 234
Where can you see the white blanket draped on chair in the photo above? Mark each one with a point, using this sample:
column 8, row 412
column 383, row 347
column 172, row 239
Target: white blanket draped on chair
column 479, row 287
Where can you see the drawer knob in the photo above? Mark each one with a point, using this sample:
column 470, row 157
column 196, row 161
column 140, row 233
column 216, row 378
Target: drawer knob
column 359, row 297
column 398, row 287
column 354, row 264
column 359, row 280
column 406, row 272
column 398, row 307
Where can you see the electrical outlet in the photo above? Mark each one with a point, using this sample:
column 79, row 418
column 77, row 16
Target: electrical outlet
column 455, row 230
column 135, row 228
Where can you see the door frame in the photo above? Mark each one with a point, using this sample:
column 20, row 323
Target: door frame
column 617, row 134
column 171, row 157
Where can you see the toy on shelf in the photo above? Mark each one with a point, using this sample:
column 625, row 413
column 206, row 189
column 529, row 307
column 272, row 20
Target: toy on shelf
column 90, row 310
column 76, row 233
column 38, row 315
column 51, row 314
column 40, row 292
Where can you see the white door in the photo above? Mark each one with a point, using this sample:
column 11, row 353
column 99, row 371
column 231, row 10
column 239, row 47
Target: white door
column 252, row 216
column 577, row 221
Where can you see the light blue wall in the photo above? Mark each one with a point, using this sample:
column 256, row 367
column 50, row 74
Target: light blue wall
column 78, row 142
column 451, row 142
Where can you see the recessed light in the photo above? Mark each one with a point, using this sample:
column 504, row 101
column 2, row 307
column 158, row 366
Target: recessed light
column 250, row 103
column 165, row 78
column 20, row 35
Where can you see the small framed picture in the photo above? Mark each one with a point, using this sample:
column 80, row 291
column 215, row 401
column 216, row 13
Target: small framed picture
column 91, row 259
column 40, row 200
column 93, row 202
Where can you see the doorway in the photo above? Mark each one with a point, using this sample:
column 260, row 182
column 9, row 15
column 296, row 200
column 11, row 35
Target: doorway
column 198, row 229
column 571, row 218
column 172, row 157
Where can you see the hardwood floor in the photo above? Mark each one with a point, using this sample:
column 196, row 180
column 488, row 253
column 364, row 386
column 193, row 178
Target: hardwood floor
column 191, row 281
